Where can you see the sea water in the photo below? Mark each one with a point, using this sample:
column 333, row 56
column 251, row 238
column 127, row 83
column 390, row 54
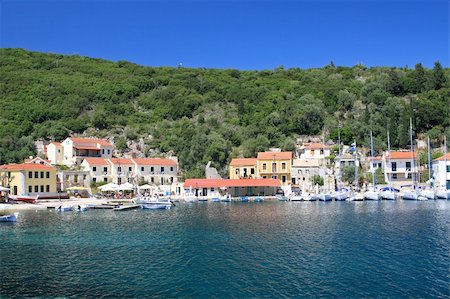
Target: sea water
column 231, row 250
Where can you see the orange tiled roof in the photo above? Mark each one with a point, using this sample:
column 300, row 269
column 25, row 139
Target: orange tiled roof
column 312, row 145
column 274, row 155
column 26, row 166
column 243, row 162
column 443, row 158
column 217, row 183
column 96, row 161
column 377, row 158
column 400, row 155
column 154, row 161
column 56, row 143
column 122, row 161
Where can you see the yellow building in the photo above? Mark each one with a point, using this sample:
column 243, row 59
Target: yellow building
column 28, row 178
column 241, row 168
column 275, row 165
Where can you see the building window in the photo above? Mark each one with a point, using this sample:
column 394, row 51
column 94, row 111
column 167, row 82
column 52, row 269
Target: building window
column 275, row 177
column 283, row 166
column 30, row 174
column 237, row 171
column 394, row 176
column 321, row 151
column 171, row 168
column 252, row 170
column 162, row 169
column 47, row 188
column 15, row 190
column 409, row 175
column 105, row 170
column 162, row 181
column 105, row 180
column 119, row 169
column 109, row 151
column 394, row 166
column 152, row 169
column 448, row 168
column 94, row 168
column 264, row 166
column 94, row 180
column 119, row 181
column 312, row 152
column 36, row 188
column 408, row 166
column 142, row 168
column 42, row 174
column 283, row 178
column 152, row 179
column 42, row 188
column 171, row 179
column 274, row 167
column 36, row 174
column 47, row 174
column 130, row 169
column 103, row 151
column 30, row 189
column 293, row 181
column 264, row 177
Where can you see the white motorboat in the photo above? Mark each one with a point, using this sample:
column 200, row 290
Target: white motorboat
column 64, row 208
column 308, row 197
column 324, row 196
column 443, row 194
column 372, row 195
column 156, row 203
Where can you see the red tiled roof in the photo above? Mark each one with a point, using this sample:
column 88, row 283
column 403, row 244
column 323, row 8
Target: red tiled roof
column 313, row 145
column 96, row 161
column 274, row 155
column 443, row 158
column 154, row 161
column 90, row 141
column 216, row 183
column 56, row 143
column 243, row 162
column 122, row 161
column 26, row 166
column 377, row 158
column 400, row 155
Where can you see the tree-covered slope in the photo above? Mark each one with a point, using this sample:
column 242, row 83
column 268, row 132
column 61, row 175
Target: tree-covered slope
column 211, row 114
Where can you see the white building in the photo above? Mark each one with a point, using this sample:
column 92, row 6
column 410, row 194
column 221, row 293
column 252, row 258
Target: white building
column 154, row 171
column 73, row 150
column 441, row 172
column 314, row 151
column 400, row 168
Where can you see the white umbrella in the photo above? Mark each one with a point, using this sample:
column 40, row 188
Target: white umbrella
column 126, row 187
column 146, row 187
column 3, row 189
column 109, row 187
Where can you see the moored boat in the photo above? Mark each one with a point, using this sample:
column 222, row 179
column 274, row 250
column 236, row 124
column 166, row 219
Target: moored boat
column 410, row 195
column 282, row 198
column 372, row 195
column 225, row 198
column 324, row 196
column 243, row 199
column 64, row 208
column 428, row 194
column 443, row 194
column 340, row 195
column 9, row 218
column 356, row 196
column 259, row 199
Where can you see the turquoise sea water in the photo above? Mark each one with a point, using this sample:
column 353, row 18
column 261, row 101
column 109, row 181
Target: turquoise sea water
column 232, row 250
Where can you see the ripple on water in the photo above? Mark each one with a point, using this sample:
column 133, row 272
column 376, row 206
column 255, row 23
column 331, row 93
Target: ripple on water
column 271, row 249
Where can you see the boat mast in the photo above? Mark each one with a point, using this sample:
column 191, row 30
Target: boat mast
column 356, row 171
column 412, row 151
column 429, row 159
column 445, row 162
column 339, row 159
column 388, row 160
column 373, row 167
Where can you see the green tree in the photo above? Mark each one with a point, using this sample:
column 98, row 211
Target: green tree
column 317, row 180
column 438, row 79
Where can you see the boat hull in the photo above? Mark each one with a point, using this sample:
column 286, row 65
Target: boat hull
column 444, row 194
column 410, row 196
column 388, row 196
column 324, row 197
column 372, row 196
column 9, row 218
column 156, row 206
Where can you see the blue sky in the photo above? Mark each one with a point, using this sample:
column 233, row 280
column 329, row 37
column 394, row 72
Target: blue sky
column 234, row 34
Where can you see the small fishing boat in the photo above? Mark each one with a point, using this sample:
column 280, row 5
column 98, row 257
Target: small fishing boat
column 243, row 199
column 25, row 198
column 226, row 198
column 64, row 208
column 9, row 218
column 282, row 198
column 259, row 199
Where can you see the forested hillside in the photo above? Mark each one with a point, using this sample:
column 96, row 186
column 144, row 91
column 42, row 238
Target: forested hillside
column 212, row 114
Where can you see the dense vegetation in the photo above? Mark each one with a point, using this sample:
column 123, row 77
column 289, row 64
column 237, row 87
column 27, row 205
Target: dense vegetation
column 211, row 114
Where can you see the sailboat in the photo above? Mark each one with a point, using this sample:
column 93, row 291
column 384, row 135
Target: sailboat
column 443, row 192
column 355, row 195
column 388, row 193
column 339, row 195
column 372, row 195
column 428, row 193
column 411, row 194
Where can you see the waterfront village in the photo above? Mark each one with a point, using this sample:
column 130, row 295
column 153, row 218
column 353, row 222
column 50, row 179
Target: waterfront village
column 80, row 167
